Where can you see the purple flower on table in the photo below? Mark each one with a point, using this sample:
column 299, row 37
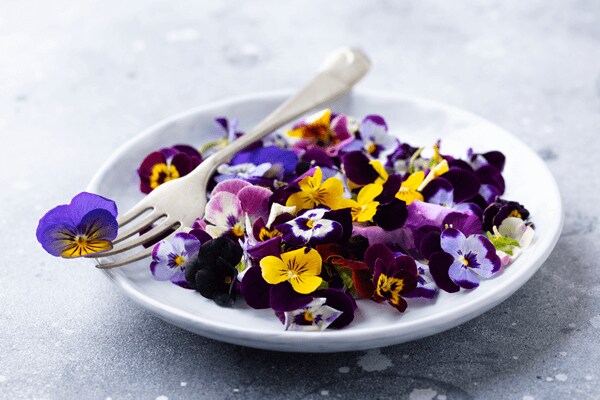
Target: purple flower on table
column 501, row 209
column 85, row 226
column 167, row 164
column 230, row 202
column 171, row 257
column 315, row 316
column 464, row 261
column 393, row 277
column 311, row 227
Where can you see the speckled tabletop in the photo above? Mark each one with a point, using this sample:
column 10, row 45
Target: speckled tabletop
column 79, row 78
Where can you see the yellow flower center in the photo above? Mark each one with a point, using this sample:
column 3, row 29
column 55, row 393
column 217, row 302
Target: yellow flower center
column 238, row 229
column 179, row 260
column 389, row 288
column 308, row 317
column 371, row 148
column 310, row 224
column 516, row 214
column 162, row 173
column 81, row 245
column 228, row 280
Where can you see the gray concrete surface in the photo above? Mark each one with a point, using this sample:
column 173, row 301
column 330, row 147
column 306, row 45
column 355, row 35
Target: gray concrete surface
column 77, row 78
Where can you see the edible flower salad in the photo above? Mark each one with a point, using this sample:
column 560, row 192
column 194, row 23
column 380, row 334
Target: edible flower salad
column 309, row 221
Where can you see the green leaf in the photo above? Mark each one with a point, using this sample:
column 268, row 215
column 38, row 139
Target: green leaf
column 324, row 285
column 503, row 243
column 346, row 275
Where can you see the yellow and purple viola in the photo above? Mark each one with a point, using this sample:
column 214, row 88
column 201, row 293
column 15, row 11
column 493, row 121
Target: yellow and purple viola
column 85, row 226
column 167, row 164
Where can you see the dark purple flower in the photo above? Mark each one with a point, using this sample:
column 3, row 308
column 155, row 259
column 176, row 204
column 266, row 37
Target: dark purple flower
column 166, row 164
column 392, row 276
column 472, row 258
column 85, row 226
column 213, row 272
column 501, row 209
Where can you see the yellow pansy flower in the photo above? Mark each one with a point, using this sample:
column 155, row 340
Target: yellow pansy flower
column 299, row 267
column 365, row 206
column 409, row 188
column 439, row 170
column 317, row 129
column 313, row 192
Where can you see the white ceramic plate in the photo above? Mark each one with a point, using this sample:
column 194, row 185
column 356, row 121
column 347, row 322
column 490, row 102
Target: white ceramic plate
column 416, row 121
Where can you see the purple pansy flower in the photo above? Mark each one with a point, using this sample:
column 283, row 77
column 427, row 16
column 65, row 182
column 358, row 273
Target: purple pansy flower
column 374, row 140
column 311, row 227
column 465, row 260
column 501, row 209
column 393, row 277
column 171, row 257
column 166, row 164
column 85, row 226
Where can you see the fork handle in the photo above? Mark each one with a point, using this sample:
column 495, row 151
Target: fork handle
column 336, row 76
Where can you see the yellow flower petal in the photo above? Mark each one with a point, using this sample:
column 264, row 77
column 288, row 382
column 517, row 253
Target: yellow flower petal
column 368, row 193
column 330, row 193
column 306, row 284
column 365, row 212
column 436, row 171
column 301, row 262
column 380, row 169
column 274, row 270
column 408, row 196
column 414, row 180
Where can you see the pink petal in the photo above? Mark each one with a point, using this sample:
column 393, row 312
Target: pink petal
column 254, row 200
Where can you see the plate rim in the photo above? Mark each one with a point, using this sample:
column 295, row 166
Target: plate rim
column 259, row 338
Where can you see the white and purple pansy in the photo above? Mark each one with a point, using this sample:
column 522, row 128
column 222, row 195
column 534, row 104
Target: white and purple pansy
column 170, row 258
column 315, row 316
column 463, row 261
column 246, row 171
column 311, row 227
column 230, row 202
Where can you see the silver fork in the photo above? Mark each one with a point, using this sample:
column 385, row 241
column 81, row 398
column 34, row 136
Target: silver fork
column 179, row 202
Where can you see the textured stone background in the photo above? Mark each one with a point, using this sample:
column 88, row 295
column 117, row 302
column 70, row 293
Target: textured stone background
column 77, row 78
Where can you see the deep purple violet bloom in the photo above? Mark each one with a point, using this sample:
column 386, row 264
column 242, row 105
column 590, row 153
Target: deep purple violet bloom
column 171, row 257
column 213, row 272
column 392, row 276
column 166, row 164
column 471, row 258
column 87, row 225
column 501, row 209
